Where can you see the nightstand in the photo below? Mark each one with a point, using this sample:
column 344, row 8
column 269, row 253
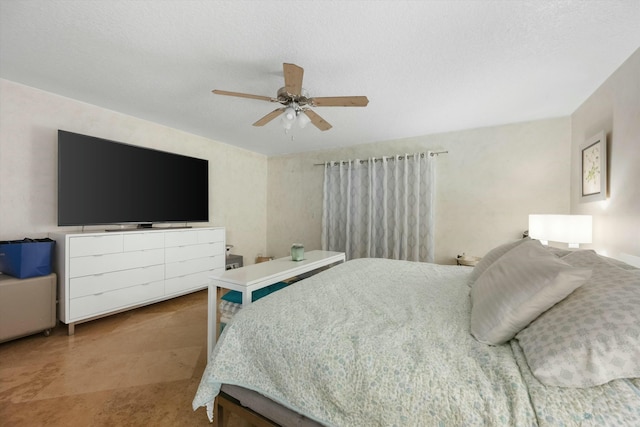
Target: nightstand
column 466, row 260
column 233, row 261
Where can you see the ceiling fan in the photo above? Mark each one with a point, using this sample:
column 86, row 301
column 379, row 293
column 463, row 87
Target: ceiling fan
column 296, row 103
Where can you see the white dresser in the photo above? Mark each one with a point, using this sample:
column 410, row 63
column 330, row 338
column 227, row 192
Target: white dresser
column 107, row 272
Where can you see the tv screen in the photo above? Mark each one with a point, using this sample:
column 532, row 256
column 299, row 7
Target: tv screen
column 108, row 182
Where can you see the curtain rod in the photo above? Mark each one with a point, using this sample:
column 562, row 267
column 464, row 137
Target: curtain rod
column 431, row 154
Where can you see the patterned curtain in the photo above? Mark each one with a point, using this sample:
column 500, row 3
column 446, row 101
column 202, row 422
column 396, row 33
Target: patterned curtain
column 380, row 208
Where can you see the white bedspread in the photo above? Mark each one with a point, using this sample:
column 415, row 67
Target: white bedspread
column 376, row 342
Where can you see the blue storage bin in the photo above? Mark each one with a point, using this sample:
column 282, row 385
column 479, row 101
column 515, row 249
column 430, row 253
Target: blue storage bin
column 26, row 258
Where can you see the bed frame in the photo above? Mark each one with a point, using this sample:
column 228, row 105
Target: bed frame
column 226, row 405
column 255, row 409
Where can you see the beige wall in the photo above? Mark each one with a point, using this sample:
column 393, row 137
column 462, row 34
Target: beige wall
column 29, row 120
column 614, row 108
column 487, row 185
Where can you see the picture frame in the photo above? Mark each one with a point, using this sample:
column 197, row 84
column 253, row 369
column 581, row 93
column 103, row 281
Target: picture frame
column 593, row 161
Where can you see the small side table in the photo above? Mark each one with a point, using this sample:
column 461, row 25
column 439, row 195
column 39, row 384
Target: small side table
column 257, row 276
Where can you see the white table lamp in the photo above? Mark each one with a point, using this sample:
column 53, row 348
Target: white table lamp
column 571, row 229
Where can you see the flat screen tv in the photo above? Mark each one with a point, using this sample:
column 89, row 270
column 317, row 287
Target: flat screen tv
column 108, row 182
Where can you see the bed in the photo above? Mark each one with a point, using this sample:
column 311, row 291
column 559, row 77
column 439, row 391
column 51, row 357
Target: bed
column 530, row 336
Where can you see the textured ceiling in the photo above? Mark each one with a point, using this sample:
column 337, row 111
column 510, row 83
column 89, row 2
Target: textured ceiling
column 426, row 66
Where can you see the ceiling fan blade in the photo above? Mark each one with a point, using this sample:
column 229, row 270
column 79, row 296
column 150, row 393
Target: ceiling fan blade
column 293, row 78
column 340, row 101
column 244, row 95
column 272, row 115
column 317, row 121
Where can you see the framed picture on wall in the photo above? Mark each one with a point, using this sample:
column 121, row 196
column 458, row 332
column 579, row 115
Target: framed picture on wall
column 593, row 154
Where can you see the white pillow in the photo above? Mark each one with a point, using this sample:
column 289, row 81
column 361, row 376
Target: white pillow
column 593, row 336
column 517, row 288
column 492, row 256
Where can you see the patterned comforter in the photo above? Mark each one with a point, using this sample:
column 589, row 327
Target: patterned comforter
column 375, row 342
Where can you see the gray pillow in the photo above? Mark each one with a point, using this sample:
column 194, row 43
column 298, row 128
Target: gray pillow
column 559, row 252
column 492, row 256
column 591, row 337
column 517, row 288
column 621, row 264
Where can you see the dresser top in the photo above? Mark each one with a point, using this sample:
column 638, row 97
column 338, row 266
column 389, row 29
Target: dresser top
column 114, row 231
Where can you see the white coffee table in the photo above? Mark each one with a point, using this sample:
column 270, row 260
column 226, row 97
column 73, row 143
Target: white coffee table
column 254, row 277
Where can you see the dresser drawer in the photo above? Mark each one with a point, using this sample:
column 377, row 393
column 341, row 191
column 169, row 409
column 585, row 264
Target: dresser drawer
column 143, row 241
column 92, row 305
column 210, row 236
column 100, row 283
column 180, row 238
column 187, row 283
column 183, row 253
column 97, row 264
column 94, row 245
column 197, row 265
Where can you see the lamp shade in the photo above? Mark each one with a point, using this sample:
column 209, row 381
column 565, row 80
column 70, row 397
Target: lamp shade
column 289, row 114
column 286, row 124
column 571, row 229
column 303, row 119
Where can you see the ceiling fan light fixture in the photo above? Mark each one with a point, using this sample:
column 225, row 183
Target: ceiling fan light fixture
column 286, row 124
column 289, row 115
column 303, row 119
column 295, row 102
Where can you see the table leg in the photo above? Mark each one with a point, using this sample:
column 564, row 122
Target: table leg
column 219, row 293
column 246, row 298
column 212, row 318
